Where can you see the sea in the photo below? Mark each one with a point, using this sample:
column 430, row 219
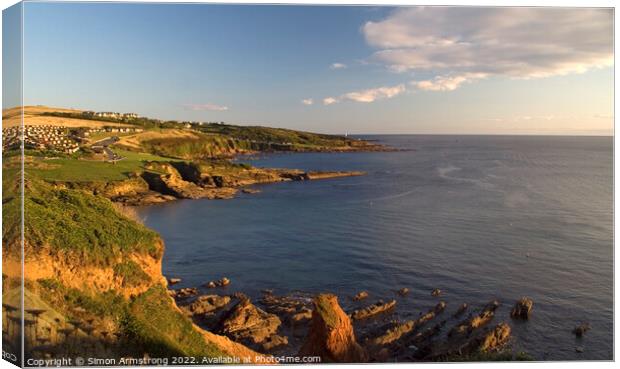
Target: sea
column 478, row 217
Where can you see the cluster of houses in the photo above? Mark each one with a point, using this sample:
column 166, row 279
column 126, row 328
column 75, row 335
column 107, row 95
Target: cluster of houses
column 45, row 137
column 112, row 129
column 110, row 115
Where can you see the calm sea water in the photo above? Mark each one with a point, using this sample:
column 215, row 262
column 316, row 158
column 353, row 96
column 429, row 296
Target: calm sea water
column 479, row 217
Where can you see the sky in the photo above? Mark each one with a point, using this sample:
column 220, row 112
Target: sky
column 461, row 70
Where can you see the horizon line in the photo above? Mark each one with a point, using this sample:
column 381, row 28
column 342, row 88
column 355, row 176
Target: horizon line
column 543, row 134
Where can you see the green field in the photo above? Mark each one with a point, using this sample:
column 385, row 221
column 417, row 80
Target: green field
column 80, row 170
column 101, row 135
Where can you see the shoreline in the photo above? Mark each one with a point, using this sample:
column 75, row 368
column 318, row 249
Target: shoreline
column 288, row 322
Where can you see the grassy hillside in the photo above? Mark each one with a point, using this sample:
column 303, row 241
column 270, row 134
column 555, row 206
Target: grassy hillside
column 154, row 323
column 197, row 146
column 77, row 223
column 275, row 135
column 147, row 324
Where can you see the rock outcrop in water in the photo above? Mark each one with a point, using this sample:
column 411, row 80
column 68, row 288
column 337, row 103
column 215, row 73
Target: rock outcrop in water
column 184, row 292
column 461, row 310
column 485, row 316
column 581, row 329
column 331, row 334
column 397, row 332
column 372, row 310
column 360, row 296
column 495, row 338
column 223, row 282
column 249, row 324
column 207, row 304
column 522, row 308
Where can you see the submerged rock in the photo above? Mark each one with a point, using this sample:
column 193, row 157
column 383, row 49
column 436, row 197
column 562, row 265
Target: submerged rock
column 361, row 296
column 274, row 341
column 581, row 329
column 522, row 308
column 220, row 283
column 462, row 308
column 331, row 334
column 173, row 281
column 436, row 292
column 403, row 291
column 372, row 310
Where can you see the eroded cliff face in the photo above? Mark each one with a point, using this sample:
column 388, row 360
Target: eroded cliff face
column 129, row 275
column 69, row 275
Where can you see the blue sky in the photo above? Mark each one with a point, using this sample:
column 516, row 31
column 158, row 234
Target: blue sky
column 328, row 69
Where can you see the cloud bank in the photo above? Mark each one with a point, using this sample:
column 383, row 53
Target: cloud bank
column 307, row 101
column 459, row 45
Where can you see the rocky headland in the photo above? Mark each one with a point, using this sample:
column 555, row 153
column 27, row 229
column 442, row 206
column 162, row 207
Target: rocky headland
column 168, row 181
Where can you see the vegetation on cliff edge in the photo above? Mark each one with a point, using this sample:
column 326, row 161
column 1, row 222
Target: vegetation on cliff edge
column 77, row 223
column 147, row 324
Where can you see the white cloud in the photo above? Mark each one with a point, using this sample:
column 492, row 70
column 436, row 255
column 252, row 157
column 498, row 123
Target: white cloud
column 329, row 100
column 337, row 66
column 373, row 94
column 307, row 101
column 453, row 42
column 208, row 106
column 367, row 96
column 447, row 83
